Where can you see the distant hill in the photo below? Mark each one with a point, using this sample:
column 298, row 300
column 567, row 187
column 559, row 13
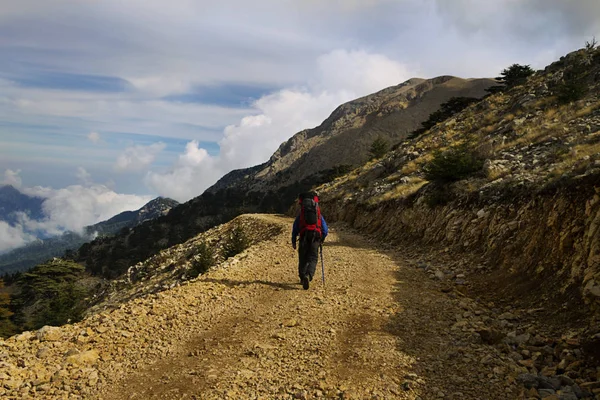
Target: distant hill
column 13, row 202
column 41, row 250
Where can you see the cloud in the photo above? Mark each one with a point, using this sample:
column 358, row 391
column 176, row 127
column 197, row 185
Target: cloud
column 114, row 72
column 359, row 72
column 529, row 19
column 76, row 206
column 84, row 176
column 338, row 76
column 68, row 209
column 94, row 137
column 12, row 178
column 137, row 158
column 12, row 237
column 190, row 173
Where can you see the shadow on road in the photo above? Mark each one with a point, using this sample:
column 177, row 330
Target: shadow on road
column 233, row 283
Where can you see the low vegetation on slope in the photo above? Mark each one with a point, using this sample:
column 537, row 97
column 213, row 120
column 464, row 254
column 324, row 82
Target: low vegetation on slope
column 513, row 178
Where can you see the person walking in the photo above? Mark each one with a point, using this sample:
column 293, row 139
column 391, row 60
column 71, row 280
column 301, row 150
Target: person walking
column 312, row 229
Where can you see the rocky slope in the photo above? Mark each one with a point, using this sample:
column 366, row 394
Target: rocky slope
column 309, row 158
column 521, row 231
column 246, row 329
column 345, row 137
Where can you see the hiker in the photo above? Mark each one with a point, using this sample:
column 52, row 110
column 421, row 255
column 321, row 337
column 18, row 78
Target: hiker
column 312, row 228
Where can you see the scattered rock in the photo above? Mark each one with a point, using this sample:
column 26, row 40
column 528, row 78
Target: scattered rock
column 49, row 334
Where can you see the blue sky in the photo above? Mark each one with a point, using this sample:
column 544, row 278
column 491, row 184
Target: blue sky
column 146, row 97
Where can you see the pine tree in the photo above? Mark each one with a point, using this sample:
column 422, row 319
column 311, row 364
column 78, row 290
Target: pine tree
column 378, row 148
column 6, row 325
column 512, row 76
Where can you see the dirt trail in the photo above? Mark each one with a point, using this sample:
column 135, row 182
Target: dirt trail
column 377, row 329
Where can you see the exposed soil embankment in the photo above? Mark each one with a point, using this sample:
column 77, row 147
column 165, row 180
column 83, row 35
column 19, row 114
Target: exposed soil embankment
column 544, row 247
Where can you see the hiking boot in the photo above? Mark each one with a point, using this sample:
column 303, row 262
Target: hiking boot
column 305, row 282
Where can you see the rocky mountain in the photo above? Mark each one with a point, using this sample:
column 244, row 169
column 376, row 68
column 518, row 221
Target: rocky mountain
column 507, row 192
column 12, row 202
column 40, row 250
column 309, row 158
column 127, row 219
column 344, row 138
column 480, row 240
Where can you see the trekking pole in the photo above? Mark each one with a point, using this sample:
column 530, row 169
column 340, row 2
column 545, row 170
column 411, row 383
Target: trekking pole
column 322, row 265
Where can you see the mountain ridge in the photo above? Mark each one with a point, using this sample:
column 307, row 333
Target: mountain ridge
column 25, row 257
column 310, row 157
column 13, row 201
column 359, row 121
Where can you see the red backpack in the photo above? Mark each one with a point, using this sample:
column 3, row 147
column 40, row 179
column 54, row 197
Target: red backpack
column 310, row 213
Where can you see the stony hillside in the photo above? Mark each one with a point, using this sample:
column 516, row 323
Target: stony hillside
column 507, row 191
column 246, row 329
column 345, row 137
column 309, row 158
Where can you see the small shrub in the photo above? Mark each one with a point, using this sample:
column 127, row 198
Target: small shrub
column 237, row 242
column 571, row 91
column 437, row 196
column 203, row 260
column 453, row 165
column 378, row 148
column 591, row 45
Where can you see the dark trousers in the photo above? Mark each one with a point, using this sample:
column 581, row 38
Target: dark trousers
column 308, row 253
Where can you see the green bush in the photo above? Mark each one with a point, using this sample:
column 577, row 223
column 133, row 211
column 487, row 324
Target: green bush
column 236, row 243
column 203, row 260
column 570, row 92
column 378, row 148
column 438, row 196
column 453, row 165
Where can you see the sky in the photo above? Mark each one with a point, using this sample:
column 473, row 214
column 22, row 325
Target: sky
column 115, row 102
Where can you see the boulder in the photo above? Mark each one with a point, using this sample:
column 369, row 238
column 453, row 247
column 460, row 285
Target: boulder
column 89, row 357
column 49, row 334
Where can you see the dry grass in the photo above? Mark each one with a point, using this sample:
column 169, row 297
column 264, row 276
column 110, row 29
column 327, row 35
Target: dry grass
column 488, row 129
column 402, row 190
column 497, row 173
column 551, row 113
column 575, row 157
column 415, row 165
column 587, row 110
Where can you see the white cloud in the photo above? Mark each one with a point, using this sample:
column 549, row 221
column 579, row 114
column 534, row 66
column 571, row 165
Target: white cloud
column 67, row 209
column 338, row 77
column 190, row 173
column 11, row 177
column 84, row 176
column 12, row 237
column 94, row 137
column 359, row 72
column 74, row 207
column 138, row 158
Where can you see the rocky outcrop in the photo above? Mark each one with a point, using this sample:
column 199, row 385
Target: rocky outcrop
column 391, row 113
column 532, row 211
